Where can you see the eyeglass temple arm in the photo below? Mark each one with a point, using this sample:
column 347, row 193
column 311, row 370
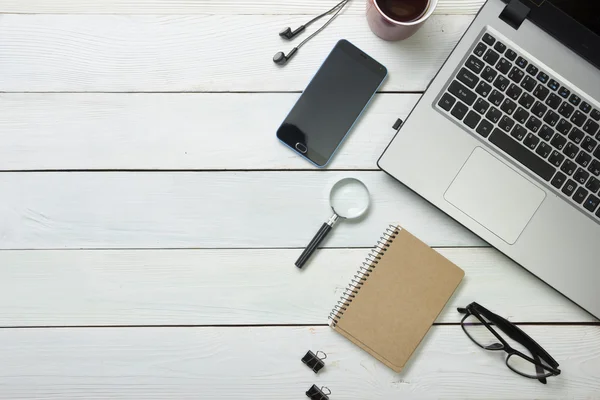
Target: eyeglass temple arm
column 515, row 333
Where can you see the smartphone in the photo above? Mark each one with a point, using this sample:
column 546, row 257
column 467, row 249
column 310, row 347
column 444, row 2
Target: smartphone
column 331, row 103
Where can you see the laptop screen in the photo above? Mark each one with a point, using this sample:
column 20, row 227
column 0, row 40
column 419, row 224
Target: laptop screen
column 586, row 12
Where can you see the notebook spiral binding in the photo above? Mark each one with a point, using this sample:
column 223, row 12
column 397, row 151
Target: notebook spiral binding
column 363, row 273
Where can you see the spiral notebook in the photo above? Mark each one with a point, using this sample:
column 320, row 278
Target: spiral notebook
column 395, row 297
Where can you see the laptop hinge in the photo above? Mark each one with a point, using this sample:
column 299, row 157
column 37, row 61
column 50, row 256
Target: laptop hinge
column 515, row 13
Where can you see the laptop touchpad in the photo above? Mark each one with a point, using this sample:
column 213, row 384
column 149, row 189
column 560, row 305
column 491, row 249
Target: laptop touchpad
column 494, row 195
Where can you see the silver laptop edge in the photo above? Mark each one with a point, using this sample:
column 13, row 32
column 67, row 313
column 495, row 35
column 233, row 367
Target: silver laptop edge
column 509, row 207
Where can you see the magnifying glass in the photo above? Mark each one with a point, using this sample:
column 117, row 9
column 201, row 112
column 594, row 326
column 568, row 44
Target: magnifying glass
column 349, row 199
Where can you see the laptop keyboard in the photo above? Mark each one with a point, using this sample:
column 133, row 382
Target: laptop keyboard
column 544, row 125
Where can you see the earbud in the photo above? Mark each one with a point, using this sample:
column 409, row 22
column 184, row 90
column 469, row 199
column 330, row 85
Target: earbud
column 288, row 34
column 281, row 59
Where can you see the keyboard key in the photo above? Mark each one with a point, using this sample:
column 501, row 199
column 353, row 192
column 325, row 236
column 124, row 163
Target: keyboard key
column 481, row 106
column 489, row 74
column 546, row 133
column 503, row 65
column 542, row 77
column 558, row 141
column 571, row 150
column 543, row 150
column 467, row 77
column 483, row 89
column 594, row 167
column 472, row 119
column 566, row 110
column 541, row 92
column 459, row 110
column 519, row 133
column 583, row 159
column 569, row 187
column 533, row 124
column 521, row 115
column 551, row 118
column 447, row 101
column 493, row 115
column 576, row 135
column 530, row 141
column 500, row 47
column 521, row 62
column 553, row 101
column 593, row 185
column 585, row 107
column 559, row 180
column 539, row 109
column 514, row 91
column 508, row 106
column 591, row 203
column 480, row 49
column 564, row 92
column 511, row 55
column 461, row 92
column 528, row 83
column 501, row 83
column 522, row 155
column 491, row 57
column 526, row 100
column 496, row 98
column 474, row 64
column 556, row 159
column 580, row 195
column 564, row 127
column 506, row 123
column 532, row 70
column 568, row 167
column 590, row 127
column 595, row 115
column 516, row 75
column 574, row 99
column 581, row 176
column 589, row 144
column 578, row 118
column 489, row 39
column 552, row 84
column 484, row 128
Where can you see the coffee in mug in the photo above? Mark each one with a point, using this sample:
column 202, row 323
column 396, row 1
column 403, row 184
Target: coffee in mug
column 398, row 19
column 403, row 10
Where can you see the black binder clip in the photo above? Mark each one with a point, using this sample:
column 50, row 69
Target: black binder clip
column 318, row 394
column 313, row 361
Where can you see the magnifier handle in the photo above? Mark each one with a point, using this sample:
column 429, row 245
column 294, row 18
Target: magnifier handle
column 314, row 243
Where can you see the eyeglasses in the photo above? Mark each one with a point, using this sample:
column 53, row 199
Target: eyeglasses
column 477, row 324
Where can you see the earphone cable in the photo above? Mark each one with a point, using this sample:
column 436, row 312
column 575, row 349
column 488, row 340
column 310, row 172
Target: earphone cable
column 340, row 6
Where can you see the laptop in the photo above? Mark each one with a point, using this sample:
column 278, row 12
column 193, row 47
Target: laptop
column 506, row 139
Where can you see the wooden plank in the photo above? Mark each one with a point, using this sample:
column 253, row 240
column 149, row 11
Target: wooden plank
column 181, row 210
column 174, row 131
column 236, row 287
column 234, row 7
column 251, row 363
column 112, row 53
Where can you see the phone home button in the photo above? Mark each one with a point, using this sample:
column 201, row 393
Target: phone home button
column 301, row 148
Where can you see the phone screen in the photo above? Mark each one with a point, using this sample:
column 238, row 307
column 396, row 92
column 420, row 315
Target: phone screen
column 331, row 103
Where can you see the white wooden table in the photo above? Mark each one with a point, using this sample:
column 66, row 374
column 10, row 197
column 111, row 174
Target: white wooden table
column 149, row 218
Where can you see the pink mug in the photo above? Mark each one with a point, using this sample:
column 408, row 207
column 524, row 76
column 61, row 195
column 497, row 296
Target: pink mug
column 389, row 29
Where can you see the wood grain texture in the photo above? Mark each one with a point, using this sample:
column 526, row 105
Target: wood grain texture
column 174, row 131
column 184, row 209
column 236, row 287
column 234, row 7
column 112, row 53
column 251, row 363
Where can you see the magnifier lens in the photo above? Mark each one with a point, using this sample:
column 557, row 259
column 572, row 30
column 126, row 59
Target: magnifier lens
column 349, row 198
